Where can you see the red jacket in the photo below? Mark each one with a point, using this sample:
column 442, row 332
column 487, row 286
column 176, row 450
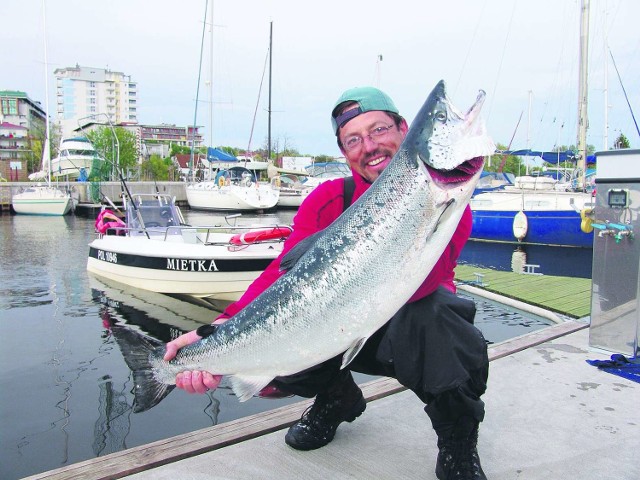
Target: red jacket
column 323, row 205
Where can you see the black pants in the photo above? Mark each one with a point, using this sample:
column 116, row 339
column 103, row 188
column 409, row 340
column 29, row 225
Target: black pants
column 430, row 346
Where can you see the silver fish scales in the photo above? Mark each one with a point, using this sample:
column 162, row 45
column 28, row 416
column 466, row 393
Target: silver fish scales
column 345, row 282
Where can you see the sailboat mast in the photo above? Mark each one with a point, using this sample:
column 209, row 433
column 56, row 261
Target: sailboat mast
column 192, row 166
column 605, row 142
column 269, row 109
column 582, row 90
column 46, row 152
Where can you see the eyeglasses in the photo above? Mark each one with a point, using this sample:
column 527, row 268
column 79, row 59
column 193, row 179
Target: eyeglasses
column 354, row 141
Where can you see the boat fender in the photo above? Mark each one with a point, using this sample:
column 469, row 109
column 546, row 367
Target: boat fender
column 520, row 225
column 276, row 182
column 221, row 182
column 206, row 330
column 227, row 182
column 256, row 236
column 586, row 223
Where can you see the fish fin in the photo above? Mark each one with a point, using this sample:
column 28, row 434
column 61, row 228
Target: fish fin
column 136, row 350
column 245, row 387
column 353, row 350
column 299, row 249
column 148, row 392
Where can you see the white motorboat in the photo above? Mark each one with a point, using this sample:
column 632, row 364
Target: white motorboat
column 234, row 189
column 155, row 250
column 75, row 159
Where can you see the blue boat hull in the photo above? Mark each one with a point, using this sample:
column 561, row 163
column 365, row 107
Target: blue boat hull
column 544, row 228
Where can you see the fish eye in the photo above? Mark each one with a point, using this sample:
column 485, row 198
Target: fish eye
column 441, row 116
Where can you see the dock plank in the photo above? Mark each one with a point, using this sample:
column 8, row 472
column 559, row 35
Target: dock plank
column 565, row 295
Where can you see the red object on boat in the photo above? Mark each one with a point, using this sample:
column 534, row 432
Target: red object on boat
column 107, row 219
column 264, row 235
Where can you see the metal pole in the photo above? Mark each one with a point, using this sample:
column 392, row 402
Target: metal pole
column 269, row 110
column 582, row 92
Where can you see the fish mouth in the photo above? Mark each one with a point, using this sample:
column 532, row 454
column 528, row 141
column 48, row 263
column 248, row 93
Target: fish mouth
column 461, row 173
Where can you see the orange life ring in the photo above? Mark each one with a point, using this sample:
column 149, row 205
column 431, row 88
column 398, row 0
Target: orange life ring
column 264, row 235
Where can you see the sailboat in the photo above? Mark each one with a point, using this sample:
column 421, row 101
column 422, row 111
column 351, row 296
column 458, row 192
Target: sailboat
column 42, row 199
column 533, row 212
column 233, row 189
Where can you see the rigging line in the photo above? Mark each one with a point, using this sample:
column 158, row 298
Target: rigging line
column 255, row 113
column 471, row 44
column 195, row 112
column 504, row 48
column 625, row 92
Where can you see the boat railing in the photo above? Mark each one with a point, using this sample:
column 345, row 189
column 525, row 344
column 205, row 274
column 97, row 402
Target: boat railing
column 222, row 235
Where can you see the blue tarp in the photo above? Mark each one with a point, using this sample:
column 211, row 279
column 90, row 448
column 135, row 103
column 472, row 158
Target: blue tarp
column 215, row 155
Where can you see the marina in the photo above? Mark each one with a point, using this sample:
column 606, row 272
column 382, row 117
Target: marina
column 96, row 274
column 74, row 374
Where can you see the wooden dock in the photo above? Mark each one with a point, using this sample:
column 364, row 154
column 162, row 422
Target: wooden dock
column 565, row 295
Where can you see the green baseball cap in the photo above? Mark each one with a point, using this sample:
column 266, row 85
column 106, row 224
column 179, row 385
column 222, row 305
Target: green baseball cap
column 367, row 98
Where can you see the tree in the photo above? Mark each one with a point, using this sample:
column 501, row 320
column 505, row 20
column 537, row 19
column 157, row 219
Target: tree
column 505, row 163
column 104, row 142
column 158, row 168
column 621, row 142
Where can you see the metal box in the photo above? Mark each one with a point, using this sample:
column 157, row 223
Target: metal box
column 615, row 293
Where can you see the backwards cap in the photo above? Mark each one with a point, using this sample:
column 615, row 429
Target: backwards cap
column 367, row 98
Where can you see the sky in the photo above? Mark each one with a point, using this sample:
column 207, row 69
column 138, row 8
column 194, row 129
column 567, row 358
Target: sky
column 523, row 53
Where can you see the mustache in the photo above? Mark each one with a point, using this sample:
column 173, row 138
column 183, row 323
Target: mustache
column 378, row 152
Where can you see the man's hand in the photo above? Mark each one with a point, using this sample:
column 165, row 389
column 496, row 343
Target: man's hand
column 195, row 381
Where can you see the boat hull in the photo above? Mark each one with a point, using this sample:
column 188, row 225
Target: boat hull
column 543, row 227
column 170, row 266
column 70, row 168
column 42, row 200
column 552, row 218
column 211, row 196
column 75, row 159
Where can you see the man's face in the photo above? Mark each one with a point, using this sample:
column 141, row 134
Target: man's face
column 373, row 153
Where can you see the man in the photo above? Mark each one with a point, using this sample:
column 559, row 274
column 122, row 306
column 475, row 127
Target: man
column 430, row 345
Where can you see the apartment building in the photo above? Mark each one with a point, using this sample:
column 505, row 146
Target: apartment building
column 154, row 139
column 86, row 93
column 21, row 120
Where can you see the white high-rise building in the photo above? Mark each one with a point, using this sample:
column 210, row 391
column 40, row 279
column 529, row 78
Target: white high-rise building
column 86, row 91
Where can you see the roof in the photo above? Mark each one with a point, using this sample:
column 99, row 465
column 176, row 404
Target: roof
column 11, row 125
column 184, row 159
column 13, row 93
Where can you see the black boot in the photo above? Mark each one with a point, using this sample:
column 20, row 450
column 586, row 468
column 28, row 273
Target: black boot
column 458, row 457
column 342, row 402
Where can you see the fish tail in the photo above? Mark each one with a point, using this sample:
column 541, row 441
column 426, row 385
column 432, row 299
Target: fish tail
column 138, row 351
column 148, row 392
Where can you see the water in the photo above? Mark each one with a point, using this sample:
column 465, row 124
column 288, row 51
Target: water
column 65, row 389
column 560, row 261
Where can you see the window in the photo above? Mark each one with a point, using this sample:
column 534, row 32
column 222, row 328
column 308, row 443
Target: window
column 9, row 106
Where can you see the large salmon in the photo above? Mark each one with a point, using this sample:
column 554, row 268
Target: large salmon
column 345, row 282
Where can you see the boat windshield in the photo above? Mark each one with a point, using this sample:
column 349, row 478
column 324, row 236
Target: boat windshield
column 156, row 211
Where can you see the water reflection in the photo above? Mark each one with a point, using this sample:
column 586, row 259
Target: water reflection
column 560, row 261
column 130, row 318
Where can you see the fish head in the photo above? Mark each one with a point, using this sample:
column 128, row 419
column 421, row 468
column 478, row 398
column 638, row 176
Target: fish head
column 452, row 145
